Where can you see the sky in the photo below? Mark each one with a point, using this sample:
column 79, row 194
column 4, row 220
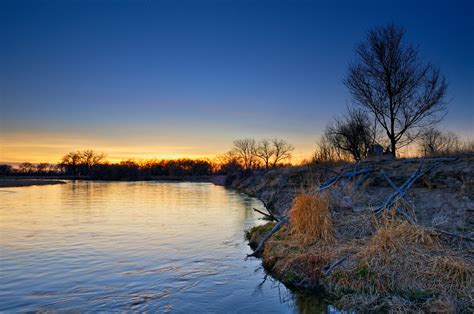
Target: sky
column 167, row 79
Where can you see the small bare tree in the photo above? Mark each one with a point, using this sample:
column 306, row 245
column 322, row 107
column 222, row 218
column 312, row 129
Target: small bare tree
column 435, row 142
column 282, row 150
column 326, row 151
column 91, row 158
column 403, row 93
column 27, row 167
column 43, row 167
column 246, row 151
column 265, row 151
column 353, row 133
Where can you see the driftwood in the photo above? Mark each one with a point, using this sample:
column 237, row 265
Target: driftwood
column 277, row 227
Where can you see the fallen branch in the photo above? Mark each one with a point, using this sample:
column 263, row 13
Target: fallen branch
column 343, row 174
column 268, row 235
column 268, row 206
column 265, row 215
column 456, row 235
column 400, row 192
column 330, row 267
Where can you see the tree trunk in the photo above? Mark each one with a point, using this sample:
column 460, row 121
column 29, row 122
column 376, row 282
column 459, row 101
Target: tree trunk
column 393, row 147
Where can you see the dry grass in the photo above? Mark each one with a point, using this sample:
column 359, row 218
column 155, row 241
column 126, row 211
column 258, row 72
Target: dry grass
column 408, row 268
column 310, row 219
column 395, row 236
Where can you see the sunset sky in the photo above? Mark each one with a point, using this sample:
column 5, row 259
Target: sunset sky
column 166, row 79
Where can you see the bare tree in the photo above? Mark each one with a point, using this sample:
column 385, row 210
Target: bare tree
column 26, row 167
column 327, row 152
column 403, row 93
column 246, row 151
column 353, row 133
column 70, row 162
column 43, row 167
column 89, row 158
column 282, row 149
column 435, row 142
column 266, row 151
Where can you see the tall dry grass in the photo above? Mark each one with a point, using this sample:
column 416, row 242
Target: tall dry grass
column 310, row 219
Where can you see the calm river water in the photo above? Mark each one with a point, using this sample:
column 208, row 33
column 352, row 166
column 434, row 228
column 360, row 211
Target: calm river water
column 161, row 247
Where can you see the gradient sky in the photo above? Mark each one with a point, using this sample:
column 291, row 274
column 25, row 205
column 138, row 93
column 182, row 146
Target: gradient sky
column 179, row 78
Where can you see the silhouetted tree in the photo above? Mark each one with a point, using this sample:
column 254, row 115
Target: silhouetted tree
column 228, row 163
column 26, row 167
column 435, row 142
column 246, row 152
column 70, row 163
column 327, row 152
column 282, row 151
column 89, row 158
column 353, row 133
column 390, row 80
column 265, row 151
column 43, row 167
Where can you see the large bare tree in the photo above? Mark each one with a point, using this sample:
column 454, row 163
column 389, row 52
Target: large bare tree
column 389, row 79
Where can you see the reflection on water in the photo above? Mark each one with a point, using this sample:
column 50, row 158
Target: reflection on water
column 167, row 247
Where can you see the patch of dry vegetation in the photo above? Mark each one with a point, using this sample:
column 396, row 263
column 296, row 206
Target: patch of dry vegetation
column 407, row 268
column 310, row 219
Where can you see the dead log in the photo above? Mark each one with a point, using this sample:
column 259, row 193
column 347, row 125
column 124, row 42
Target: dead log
column 277, row 227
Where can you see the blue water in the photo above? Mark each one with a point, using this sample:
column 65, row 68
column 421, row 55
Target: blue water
column 121, row 246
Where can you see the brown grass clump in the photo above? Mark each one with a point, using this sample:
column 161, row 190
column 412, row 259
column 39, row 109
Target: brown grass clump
column 311, row 219
column 455, row 268
column 395, row 236
column 408, row 268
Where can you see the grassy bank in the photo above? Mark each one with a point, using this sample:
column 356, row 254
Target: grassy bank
column 366, row 261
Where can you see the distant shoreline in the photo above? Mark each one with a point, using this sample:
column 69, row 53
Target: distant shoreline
column 12, row 183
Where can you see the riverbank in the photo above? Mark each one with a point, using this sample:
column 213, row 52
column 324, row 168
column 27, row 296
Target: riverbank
column 415, row 255
column 10, row 183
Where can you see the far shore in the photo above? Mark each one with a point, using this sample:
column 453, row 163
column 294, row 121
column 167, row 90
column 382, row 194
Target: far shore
column 10, row 183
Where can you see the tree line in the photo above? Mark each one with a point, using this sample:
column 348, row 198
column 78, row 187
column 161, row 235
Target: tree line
column 246, row 155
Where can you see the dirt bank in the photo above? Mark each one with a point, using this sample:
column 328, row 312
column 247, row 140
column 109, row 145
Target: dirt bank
column 9, row 183
column 414, row 255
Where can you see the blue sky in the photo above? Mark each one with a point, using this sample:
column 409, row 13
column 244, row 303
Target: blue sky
column 184, row 78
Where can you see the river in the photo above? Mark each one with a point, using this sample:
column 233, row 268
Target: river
column 125, row 246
